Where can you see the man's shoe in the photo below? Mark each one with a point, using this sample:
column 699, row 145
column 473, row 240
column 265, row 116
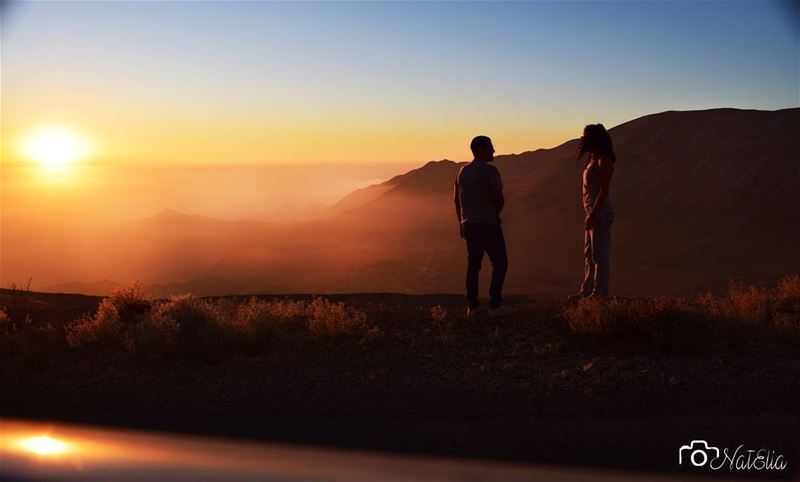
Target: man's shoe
column 501, row 311
column 472, row 314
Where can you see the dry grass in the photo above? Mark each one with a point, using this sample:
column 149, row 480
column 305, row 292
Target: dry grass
column 131, row 321
column 686, row 326
column 34, row 341
column 668, row 324
column 443, row 321
column 743, row 304
column 788, row 293
column 100, row 332
column 329, row 319
column 5, row 324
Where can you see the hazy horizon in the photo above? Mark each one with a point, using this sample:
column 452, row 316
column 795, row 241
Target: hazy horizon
column 234, row 192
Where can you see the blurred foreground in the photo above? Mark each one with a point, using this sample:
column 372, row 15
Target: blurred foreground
column 50, row 451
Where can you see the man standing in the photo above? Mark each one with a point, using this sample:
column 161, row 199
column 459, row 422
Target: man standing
column 478, row 196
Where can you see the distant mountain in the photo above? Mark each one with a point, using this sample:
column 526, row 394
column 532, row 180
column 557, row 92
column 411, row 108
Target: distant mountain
column 96, row 288
column 701, row 197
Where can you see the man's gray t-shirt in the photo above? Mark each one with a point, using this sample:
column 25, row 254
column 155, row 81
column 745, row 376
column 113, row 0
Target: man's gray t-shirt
column 478, row 184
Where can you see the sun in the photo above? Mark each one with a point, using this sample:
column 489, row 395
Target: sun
column 54, row 147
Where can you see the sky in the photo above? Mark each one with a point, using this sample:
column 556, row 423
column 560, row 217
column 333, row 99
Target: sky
column 170, row 83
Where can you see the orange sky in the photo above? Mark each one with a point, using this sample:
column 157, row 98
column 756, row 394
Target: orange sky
column 136, row 130
column 264, row 82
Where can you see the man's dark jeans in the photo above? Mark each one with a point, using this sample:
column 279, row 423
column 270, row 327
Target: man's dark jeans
column 485, row 238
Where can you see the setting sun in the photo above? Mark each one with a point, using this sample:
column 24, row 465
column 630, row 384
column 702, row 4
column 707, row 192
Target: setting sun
column 54, row 147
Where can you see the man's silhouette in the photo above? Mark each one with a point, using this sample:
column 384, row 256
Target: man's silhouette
column 478, row 196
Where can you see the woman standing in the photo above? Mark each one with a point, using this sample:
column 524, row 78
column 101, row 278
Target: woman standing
column 596, row 145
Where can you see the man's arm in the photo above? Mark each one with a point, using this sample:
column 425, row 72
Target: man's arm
column 457, row 202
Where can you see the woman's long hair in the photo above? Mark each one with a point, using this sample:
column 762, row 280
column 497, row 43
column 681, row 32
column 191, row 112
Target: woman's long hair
column 596, row 139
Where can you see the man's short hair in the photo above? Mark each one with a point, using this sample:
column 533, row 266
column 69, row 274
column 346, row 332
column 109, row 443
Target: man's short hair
column 479, row 142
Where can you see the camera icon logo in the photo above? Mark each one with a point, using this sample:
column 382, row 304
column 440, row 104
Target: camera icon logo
column 699, row 453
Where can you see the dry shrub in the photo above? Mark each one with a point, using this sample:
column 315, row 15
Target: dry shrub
column 260, row 321
column 131, row 302
column 130, row 321
column 334, row 319
column 155, row 336
column 787, row 315
column 745, row 304
column 101, row 332
column 20, row 334
column 114, row 324
column 6, row 329
column 788, row 293
column 191, row 315
column 443, row 322
column 589, row 316
column 288, row 310
column 127, row 320
column 36, row 342
column 674, row 324
column 669, row 324
column 773, row 308
column 211, row 330
column 19, row 306
column 203, row 329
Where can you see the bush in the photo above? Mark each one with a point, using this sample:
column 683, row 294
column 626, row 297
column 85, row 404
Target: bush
column 773, row 308
column 260, row 321
column 102, row 332
column 328, row 319
column 674, row 324
column 192, row 316
column 443, row 321
column 745, row 304
column 115, row 324
column 788, row 293
column 33, row 341
column 669, row 324
column 132, row 303
column 589, row 316
column 131, row 321
column 6, row 328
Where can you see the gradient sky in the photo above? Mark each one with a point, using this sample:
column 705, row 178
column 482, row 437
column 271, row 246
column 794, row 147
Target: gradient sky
column 183, row 82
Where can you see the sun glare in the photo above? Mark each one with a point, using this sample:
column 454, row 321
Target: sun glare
column 54, row 147
column 44, row 445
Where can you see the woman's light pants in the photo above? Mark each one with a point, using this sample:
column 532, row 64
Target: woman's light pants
column 597, row 257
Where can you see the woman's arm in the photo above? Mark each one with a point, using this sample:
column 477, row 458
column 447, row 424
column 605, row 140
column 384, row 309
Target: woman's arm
column 605, row 170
